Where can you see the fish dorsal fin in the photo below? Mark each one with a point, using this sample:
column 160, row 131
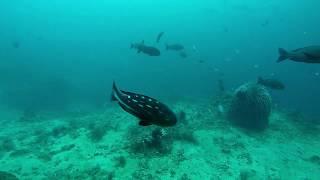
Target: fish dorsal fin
column 116, row 93
column 116, row 89
column 144, row 123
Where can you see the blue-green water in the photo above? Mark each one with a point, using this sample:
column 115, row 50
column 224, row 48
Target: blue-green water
column 55, row 55
column 86, row 44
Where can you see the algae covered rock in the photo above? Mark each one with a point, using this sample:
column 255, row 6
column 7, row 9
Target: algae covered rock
column 250, row 107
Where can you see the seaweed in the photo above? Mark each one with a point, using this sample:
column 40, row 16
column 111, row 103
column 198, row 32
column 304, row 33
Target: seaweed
column 184, row 177
column 97, row 132
column 156, row 142
column 60, row 131
column 120, row 161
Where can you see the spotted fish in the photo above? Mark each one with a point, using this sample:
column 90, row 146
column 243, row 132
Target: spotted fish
column 148, row 110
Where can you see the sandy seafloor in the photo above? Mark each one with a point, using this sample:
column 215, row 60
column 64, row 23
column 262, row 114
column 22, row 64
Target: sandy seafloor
column 108, row 144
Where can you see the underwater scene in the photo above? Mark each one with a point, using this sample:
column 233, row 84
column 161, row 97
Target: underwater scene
column 159, row 90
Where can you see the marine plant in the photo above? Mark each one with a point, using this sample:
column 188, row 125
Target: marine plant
column 250, row 107
column 97, row 132
column 152, row 142
column 120, row 161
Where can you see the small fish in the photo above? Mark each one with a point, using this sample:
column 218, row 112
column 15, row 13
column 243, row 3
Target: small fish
column 159, row 36
column 175, row 47
column 149, row 50
column 271, row 83
column 183, row 54
column 310, row 54
column 148, row 110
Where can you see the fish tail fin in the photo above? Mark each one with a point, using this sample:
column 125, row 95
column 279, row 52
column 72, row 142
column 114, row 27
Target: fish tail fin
column 115, row 92
column 167, row 46
column 259, row 81
column 131, row 46
column 283, row 55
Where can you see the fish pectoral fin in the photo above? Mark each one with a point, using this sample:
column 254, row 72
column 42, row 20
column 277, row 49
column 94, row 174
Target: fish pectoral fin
column 310, row 56
column 144, row 123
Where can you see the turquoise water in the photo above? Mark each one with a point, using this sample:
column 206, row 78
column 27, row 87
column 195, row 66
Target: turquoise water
column 60, row 57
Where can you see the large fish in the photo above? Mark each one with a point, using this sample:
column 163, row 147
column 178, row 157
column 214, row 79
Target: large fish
column 148, row 110
column 141, row 47
column 310, row 54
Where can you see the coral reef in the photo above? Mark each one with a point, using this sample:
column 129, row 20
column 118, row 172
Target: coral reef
column 250, row 107
column 153, row 142
column 158, row 141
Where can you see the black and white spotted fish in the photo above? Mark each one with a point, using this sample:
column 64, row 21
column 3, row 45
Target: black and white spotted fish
column 148, row 110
